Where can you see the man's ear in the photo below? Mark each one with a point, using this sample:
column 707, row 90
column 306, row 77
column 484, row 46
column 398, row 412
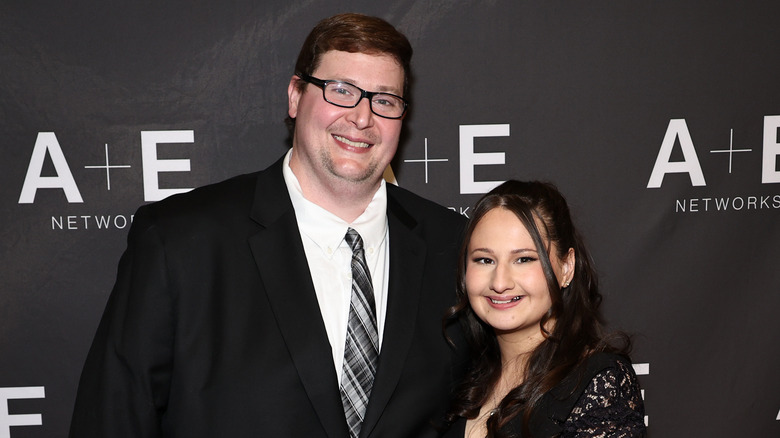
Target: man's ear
column 293, row 97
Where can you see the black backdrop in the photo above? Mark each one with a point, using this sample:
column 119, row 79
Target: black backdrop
column 659, row 120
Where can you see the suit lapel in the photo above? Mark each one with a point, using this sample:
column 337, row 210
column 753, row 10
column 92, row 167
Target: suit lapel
column 407, row 261
column 280, row 258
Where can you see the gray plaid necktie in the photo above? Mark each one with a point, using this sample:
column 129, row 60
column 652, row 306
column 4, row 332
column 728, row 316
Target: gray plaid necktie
column 362, row 347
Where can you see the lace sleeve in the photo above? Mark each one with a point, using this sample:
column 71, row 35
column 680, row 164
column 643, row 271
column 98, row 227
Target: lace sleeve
column 610, row 407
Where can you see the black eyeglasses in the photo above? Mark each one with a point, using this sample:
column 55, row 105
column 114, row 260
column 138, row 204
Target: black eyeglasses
column 347, row 95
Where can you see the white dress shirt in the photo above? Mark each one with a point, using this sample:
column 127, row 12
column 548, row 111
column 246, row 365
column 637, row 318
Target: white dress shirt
column 330, row 258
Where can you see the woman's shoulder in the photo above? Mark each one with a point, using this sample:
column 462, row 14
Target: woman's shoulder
column 606, row 373
column 601, row 361
column 581, row 376
column 604, row 379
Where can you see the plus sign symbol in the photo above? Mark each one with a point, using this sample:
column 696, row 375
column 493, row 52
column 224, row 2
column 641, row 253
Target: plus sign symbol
column 108, row 168
column 425, row 160
column 731, row 149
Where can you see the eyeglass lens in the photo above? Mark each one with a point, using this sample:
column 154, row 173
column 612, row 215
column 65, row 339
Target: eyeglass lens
column 347, row 95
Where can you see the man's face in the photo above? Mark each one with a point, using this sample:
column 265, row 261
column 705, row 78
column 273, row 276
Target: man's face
column 333, row 146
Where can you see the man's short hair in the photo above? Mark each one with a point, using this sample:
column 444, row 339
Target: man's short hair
column 354, row 33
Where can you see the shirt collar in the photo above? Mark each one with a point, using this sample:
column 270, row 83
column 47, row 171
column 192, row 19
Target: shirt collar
column 328, row 230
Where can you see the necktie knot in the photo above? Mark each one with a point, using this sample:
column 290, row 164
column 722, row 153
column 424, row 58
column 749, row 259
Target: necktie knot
column 354, row 240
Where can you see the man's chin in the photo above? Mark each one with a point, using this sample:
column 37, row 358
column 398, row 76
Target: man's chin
column 353, row 175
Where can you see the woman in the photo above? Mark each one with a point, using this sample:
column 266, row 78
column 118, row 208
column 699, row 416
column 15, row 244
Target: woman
column 528, row 300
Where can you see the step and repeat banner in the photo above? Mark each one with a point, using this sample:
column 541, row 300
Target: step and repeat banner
column 660, row 121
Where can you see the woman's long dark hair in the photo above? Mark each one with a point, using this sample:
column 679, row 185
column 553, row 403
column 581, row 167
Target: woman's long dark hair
column 578, row 329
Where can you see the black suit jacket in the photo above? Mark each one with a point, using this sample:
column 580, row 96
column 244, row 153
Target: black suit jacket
column 213, row 328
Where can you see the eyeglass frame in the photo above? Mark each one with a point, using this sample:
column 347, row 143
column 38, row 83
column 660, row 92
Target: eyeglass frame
column 322, row 83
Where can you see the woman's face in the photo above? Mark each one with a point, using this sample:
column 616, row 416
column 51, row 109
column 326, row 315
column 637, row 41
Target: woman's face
column 505, row 281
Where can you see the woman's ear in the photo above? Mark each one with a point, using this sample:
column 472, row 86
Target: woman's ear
column 567, row 267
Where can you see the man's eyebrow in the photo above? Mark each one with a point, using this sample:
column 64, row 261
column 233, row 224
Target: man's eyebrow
column 381, row 89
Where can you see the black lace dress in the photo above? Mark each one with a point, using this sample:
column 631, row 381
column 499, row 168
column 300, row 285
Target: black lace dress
column 601, row 399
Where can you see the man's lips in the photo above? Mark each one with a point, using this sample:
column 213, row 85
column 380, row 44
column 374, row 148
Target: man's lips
column 356, row 144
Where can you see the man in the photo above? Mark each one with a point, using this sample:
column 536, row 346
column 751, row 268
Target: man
column 241, row 309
